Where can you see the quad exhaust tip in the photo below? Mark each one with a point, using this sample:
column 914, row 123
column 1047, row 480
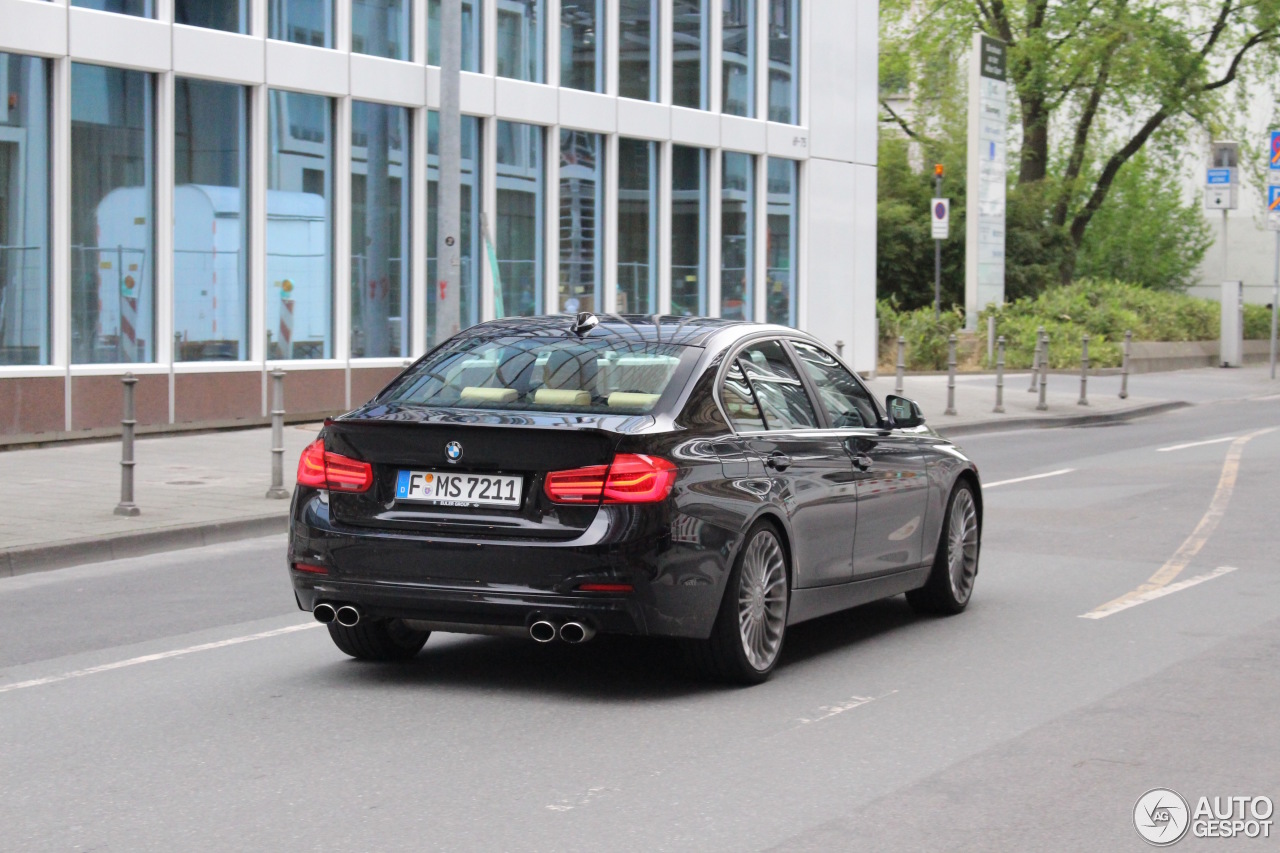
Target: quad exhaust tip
column 324, row 613
column 542, row 631
column 347, row 616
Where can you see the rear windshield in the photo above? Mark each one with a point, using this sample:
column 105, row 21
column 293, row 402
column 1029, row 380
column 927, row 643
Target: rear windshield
column 591, row 375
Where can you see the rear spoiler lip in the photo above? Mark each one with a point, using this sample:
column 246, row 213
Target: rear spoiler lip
column 544, row 421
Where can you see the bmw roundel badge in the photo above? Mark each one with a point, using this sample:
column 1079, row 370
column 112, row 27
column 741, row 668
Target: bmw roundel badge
column 453, row 451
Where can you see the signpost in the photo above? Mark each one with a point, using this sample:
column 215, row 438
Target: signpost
column 985, row 211
column 940, row 217
column 1222, row 187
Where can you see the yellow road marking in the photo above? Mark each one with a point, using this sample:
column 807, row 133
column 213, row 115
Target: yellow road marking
column 1191, row 546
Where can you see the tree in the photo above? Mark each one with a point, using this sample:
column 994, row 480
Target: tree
column 1094, row 82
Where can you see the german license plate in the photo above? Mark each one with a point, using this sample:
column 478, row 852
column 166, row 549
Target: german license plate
column 452, row 488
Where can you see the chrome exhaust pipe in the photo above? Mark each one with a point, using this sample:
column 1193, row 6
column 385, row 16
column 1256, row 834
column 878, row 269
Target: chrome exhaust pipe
column 576, row 632
column 324, row 613
column 347, row 616
column 542, row 631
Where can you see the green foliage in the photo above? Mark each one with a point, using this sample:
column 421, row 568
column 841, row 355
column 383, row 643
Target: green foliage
column 1144, row 232
column 1103, row 309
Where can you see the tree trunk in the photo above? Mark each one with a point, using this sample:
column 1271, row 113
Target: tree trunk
column 1035, row 141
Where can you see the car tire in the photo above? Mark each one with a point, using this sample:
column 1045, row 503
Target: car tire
column 378, row 640
column 955, row 565
column 746, row 641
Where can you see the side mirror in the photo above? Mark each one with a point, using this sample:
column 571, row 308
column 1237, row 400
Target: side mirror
column 903, row 413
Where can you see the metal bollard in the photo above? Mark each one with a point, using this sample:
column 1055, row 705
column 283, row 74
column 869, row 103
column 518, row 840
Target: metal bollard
column 840, row 348
column 991, row 337
column 1042, row 406
column 902, row 364
column 951, row 376
column 999, row 409
column 130, row 420
column 1035, row 360
column 1084, row 371
column 1124, row 370
column 277, row 489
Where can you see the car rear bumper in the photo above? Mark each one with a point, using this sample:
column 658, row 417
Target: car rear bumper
column 491, row 583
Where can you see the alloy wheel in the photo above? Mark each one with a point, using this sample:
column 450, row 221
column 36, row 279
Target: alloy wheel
column 962, row 545
column 762, row 600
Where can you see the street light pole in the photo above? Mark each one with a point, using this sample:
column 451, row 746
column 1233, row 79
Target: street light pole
column 937, row 252
column 449, row 209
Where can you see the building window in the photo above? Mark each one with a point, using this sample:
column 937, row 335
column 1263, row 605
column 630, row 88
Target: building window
column 24, row 210
column 582, row 44
column 522, row 40
column 229, row 15
column 739, row 57
column 382, row 28
column 472, row 32
column 690, row 42
column 301, row 21
column 784, row 239
column 471, row 232
column 737, row 230
column 689, row 168
column 637, row 226
column 210, row 221
column 380, row 239
column 141, row 8
column 784, row 61
column 300, row 226
column 521, row 180
column 638, row 56
column 581, row 220
column 112, row 215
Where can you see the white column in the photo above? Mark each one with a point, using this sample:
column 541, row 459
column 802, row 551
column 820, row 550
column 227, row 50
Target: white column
column 551, row 221
column 488, row 197
column 802, row 32
column 259, row 144
column 60, row 230
column 762, row 59
column 553, row 42
column 664, row 226
column 418, row 217
column 760, row 240
column 612, row 31
column 342, row 236
column 164, row 180
column 715, row 180
column 489, row 37
column 665, row 48
column 715, row 55
column 801, row 274
column 609, row 261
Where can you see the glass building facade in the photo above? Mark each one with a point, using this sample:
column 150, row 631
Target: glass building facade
column 214, row 219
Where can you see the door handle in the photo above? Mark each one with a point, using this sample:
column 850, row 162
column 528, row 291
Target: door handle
column 862, row 461
column 778, row 461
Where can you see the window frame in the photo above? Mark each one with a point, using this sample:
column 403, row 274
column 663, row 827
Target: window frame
column 735, row 350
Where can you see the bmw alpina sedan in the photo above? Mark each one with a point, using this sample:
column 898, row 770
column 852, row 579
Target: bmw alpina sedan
column 560, row 477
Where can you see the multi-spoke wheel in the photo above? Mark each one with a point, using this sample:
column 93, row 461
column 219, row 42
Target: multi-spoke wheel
column 378, row 639
column 955, row 566
column 747, row 638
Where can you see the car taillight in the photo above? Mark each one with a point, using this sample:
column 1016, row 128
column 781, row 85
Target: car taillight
column 630, row 479
column 326, row 470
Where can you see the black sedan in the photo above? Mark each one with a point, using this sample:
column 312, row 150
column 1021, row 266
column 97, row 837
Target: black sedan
column 559, row 477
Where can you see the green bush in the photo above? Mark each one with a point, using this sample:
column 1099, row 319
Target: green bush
column 1102, row 309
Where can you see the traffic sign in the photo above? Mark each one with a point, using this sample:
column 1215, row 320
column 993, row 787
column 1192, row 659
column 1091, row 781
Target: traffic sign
column 1273, row 207
column 1275, row 152
column 940, row 215
column 1219, row 178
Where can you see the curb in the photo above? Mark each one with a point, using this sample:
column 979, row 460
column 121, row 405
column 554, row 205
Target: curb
column 61, row 555
column 1051, row 421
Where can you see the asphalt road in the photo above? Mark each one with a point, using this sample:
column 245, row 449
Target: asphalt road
column 180, row 702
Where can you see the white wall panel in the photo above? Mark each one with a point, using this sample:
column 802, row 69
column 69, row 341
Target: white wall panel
column 122, row 40
column 476, row 94
column 744, row 134
column 588, row 111
column 832, row 66
column 32, row 26
column 863, row 354
column 516, row 100
column 643, row 120
column 198, row 52
column 787, row 140
column 694, row 127
column 387, row 80
column 832, row 256
column 866, row 82
column 303, row 68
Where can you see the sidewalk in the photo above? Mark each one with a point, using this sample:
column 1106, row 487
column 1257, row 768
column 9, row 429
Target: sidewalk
column 198, row 489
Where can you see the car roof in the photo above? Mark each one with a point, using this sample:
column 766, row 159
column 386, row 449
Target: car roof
column 659, row 328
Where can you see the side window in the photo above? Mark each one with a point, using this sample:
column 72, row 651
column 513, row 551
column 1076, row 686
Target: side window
column 777, row 387
column 847, row 403
column 739, row 402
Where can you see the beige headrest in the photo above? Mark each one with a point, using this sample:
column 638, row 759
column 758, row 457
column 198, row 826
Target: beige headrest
column 561, row 397
column 489, row 395
column 632, row 400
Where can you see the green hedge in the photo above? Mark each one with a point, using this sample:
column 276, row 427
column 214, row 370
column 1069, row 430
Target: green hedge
column 1102, row 309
